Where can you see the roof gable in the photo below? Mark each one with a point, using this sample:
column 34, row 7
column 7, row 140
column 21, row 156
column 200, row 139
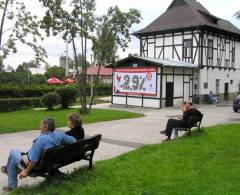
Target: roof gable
column 187, row 14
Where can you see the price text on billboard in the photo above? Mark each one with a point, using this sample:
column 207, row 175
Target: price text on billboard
column 136, row 81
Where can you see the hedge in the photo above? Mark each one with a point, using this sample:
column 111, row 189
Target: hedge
column 101, row 90
column 25, row 91
column 19, row 104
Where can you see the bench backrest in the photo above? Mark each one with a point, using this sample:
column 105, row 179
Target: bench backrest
column 69, row 153
column 199, row 121
column 193, row 122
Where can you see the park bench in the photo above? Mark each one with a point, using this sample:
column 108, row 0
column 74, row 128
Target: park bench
column 53, row 159
column 196, row 124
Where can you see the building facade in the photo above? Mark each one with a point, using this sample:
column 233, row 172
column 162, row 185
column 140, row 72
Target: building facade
column 189, row 33
column 153, row 83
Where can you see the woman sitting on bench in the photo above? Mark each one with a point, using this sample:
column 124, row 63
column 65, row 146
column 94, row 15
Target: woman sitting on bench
column 74, row 122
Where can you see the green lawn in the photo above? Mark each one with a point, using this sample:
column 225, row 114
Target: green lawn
column 206, row 163
column 29, row 119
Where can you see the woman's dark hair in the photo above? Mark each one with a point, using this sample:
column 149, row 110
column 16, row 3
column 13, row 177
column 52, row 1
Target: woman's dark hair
column 75, row 119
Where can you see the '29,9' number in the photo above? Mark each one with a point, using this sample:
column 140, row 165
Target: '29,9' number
column 137, row 83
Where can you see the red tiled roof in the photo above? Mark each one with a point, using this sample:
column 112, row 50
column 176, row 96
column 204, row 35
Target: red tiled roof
column 103, row 71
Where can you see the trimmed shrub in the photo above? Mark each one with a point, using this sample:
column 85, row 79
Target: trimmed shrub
column 24, row 91
column 68, row 96
column 19, row 91
column 50, row 100
column 7, row 105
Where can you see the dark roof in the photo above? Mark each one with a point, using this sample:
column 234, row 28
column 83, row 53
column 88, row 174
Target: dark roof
column 152, row 62
column 187, row 14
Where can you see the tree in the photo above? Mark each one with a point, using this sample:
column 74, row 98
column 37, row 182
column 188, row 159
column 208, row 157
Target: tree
column 18, row 25
column 22, row 69
column 76, row 22
column 81, row 58
column 237, row 15
column 55, row 71
column 113, row 33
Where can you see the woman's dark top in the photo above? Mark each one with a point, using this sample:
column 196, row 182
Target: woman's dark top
column 77, row 133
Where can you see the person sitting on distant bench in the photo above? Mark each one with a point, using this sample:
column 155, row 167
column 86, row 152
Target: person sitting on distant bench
column 213, row 98
column 188, row 113
column 25, row 162
column 75, row 124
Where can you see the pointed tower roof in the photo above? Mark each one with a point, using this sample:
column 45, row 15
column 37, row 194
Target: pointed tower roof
column 184, row 14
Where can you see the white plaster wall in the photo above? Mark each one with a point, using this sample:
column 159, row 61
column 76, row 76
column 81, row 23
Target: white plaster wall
column 119, row 100
column 178, row 86
column 134, row 101
column 151, row 103
column 225, row 76
column 237, row 56
column 159, row 41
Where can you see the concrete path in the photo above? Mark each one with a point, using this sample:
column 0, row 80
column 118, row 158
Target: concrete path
column 119, row 136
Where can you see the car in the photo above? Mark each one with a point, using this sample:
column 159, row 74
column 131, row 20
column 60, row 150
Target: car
column 236, row 104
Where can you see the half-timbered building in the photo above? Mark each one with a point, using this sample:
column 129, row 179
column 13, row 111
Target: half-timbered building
column 188, row 33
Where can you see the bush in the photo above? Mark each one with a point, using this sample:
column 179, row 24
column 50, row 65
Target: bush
column 50, row 100
column 68, row 96
column 19, row 91
column 13, row 77
column 38, row 79
column 24, row 91
column 19, row 104
column 101, row 90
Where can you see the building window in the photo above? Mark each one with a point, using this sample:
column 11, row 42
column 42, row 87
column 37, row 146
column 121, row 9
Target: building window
column 210, row 49
column 217, row 86
column 233, row 54
column 231, row 82
column 205, row 85
column 187, row 48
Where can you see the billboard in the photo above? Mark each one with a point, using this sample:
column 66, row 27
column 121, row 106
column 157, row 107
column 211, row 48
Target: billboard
column 136, row 81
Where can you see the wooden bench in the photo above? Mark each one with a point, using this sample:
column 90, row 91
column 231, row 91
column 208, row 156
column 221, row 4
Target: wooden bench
column 196, row 125
column 53, row 159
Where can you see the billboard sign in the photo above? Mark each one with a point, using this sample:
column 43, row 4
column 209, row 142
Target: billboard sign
column 135, row 81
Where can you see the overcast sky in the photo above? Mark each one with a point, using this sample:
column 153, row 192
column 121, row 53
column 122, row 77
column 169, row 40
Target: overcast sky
column 150, row 10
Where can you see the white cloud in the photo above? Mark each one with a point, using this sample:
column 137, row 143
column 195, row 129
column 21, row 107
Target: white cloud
column 150, row 10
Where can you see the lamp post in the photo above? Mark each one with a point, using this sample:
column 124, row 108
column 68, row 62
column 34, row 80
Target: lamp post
column 66, row 59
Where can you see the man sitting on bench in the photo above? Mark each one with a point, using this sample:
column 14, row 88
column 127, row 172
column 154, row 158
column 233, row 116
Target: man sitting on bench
column 26, row 162
column 188, row 113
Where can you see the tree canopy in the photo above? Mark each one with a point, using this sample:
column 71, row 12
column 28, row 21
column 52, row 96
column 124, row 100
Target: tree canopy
column 55, row 71
column 18, row 25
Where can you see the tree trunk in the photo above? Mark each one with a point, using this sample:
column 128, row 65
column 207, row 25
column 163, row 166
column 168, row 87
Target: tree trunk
column 77, row 65
column 2, row 21
column 83, row 73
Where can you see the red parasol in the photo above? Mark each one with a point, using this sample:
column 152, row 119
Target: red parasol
column 70, row 81
column 54, row 80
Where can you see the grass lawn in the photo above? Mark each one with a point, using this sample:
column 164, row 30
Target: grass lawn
column 29, row 119
column 206, row 163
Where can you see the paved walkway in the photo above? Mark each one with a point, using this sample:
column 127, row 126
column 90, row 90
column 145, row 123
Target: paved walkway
column 119, row 136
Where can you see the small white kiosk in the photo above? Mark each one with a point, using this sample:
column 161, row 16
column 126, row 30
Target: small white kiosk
column 154, row 83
